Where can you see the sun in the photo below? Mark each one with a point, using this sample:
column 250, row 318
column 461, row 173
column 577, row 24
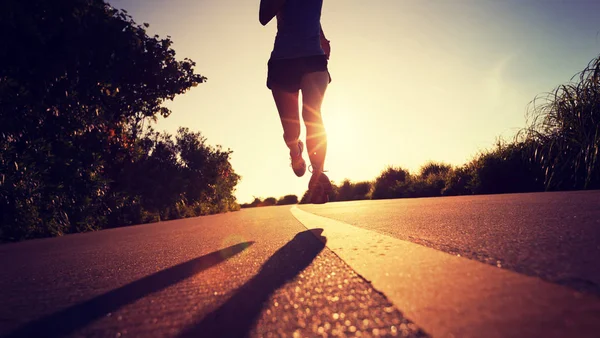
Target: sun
column 340, row 129
column 345, row 129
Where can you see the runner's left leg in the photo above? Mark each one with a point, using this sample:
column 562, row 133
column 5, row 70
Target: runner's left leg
column 313, row 86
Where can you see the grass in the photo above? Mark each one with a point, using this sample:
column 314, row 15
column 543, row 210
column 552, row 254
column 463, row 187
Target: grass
column 564, row 132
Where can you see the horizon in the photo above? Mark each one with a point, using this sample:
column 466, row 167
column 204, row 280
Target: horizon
column 488, row 60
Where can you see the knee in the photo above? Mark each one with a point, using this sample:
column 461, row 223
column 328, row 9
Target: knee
column 310, row 113
column 315, row 125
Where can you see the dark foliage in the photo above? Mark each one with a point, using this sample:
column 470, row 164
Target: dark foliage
column 288, row 199
column 564, row 132
column 78, row 80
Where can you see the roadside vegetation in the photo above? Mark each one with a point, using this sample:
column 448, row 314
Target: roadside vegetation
column 269, row 201
column 80, row 84
column 558, row 150
column 564, row 132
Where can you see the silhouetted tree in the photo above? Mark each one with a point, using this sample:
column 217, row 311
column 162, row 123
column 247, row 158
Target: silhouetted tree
column 459, row 181
column 434, row 168
column 505, row 169
column 344, row 191
column 255, row 203
column 391, row 183
column 269, row 201
column 77, row 83
column 350, row 191
column 288, row 199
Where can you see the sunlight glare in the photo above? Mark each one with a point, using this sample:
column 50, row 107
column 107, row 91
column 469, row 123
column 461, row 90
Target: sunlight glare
column 344, row 128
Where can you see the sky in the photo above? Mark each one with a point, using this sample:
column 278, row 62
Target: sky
column 413, row 81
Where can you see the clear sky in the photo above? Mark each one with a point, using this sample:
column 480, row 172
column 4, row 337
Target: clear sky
column 413, row 81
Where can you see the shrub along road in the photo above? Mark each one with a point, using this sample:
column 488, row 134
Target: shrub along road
column 410, row 267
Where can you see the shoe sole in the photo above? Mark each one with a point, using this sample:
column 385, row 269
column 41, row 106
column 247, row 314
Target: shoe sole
column 319, row 194
column 300, row 172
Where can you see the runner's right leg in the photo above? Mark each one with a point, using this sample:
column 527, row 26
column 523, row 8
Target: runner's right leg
column 287, row 106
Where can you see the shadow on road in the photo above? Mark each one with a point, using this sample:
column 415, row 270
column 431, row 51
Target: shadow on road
column 75, row 317
column 237, row 316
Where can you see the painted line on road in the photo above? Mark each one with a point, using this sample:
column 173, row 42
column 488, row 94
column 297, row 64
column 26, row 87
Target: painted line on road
column 450, row 296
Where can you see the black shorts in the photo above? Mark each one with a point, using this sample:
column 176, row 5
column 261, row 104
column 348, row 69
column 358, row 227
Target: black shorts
column 287, row 73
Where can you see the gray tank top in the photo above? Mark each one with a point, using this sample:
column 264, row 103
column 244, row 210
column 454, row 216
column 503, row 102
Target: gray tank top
column 298, row 30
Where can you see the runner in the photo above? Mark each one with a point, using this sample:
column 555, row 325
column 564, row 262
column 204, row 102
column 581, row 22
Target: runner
column 298, row 62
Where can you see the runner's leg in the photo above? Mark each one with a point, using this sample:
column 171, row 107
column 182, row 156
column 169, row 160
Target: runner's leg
column 313, row 86
column 287, row 106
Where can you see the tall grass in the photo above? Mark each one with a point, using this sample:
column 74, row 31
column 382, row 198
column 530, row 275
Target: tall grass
column 506, row 168
column 564, row 131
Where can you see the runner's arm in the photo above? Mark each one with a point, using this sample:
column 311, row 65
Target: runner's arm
column 325, row 44
column 268, row 10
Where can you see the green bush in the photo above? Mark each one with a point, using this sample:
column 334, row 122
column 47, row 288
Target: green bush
column 392, row 183
column 255, row 203
column 506, row 169
column 458, row 181
column 269, row 201
column 431, row 180
column 434, row 169
column 287, row 199
column 350, row 191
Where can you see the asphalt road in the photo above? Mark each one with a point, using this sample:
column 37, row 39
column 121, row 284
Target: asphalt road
column 554, row 236
column 262, row 272
column 256, row 272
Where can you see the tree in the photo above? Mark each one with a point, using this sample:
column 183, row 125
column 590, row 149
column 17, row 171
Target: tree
column 288, row 199
column 433, row 168
column 350, row 191
column 269, row 201
column 76, row 85
column 391, row 183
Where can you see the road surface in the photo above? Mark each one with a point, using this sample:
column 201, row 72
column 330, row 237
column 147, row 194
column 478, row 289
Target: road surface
column 495, row 266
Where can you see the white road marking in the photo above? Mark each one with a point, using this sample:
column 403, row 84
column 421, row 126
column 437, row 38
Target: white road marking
column 450, row 296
